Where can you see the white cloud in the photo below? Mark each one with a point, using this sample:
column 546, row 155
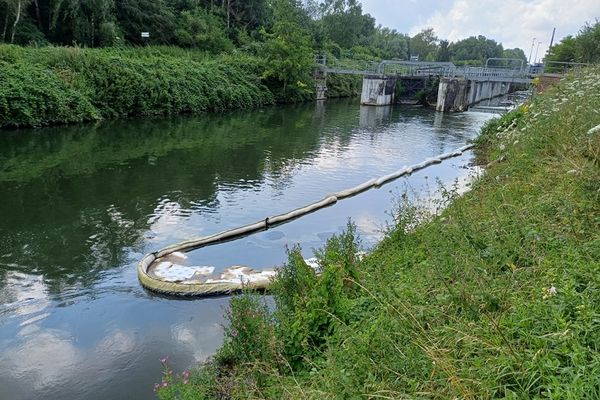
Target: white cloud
column 514, row 23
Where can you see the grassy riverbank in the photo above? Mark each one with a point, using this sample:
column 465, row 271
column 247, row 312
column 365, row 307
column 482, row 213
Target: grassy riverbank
column 496, row 296
column 62, row 85
column 53, row 85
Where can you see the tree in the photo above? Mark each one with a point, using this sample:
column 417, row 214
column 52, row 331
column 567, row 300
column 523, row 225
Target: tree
column 565, row 51
column 202, row 30
column 476, row 49
column 443, row 53
column 386, row 43
column 14, row 9
column 588, row 43
column 154, row 16
column 345, row 23
column 87, row 19
column 424, row 45
column 288, row 51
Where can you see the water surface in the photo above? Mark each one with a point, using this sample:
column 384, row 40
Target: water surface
column 80, row 205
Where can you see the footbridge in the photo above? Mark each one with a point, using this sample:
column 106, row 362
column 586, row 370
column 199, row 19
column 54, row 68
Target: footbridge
column 406, row 69
column 459, row 86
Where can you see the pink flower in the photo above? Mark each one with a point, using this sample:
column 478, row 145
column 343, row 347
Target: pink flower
column 234, row 333
column 185, row 374
column 163, row 360
column 156, row 386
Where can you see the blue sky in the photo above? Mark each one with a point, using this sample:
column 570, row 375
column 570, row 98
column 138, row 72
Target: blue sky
column 514, row 23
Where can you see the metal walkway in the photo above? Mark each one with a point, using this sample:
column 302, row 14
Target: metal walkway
column 407, row 69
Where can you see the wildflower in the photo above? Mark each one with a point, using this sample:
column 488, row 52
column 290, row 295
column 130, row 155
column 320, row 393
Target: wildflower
column 163, row 360
column 551, row 290
column 156, row 386
column 234, row 333
column 594, row 130
column 185, row 374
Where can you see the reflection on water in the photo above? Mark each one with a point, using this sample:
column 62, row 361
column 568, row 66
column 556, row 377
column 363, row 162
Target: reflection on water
column 82, row 204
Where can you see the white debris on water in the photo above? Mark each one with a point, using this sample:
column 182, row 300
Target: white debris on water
column 167, row 270
column 170, row 272
column 244, row 275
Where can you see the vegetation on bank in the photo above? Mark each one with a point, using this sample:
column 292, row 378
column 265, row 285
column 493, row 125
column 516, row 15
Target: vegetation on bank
column 495, row 293
column 62, row 85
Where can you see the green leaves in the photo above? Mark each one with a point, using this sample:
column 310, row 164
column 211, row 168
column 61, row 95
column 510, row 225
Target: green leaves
column 31, row 95
column 63, row 85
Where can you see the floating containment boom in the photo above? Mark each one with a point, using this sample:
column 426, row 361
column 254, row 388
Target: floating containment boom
column 164, row 271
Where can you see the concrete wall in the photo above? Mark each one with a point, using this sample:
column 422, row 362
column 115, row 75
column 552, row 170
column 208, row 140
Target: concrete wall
column 321, row 90
column 453, row 95
column 486, row 90
column 458, row 94
column 378, row 91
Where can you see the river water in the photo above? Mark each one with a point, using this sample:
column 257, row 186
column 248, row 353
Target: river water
column 80, row 205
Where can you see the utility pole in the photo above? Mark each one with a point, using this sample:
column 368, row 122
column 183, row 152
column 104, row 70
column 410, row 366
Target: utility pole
column 531, row 51
column 552, row 39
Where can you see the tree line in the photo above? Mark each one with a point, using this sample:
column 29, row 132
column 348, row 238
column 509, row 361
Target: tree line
column 338, row 27
column 582, row 48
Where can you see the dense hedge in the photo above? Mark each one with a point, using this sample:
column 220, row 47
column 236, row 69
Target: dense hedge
column 36, row 95
column 63, row 85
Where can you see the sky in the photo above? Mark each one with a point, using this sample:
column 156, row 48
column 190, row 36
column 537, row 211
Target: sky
column 514, row 23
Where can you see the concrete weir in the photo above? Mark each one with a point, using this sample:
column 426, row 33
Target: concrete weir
column 454, row 94
column 457, row 94
column 378, row 90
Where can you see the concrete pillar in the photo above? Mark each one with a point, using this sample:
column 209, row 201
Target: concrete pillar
column 378, row 90
column 321, row 90
column 459, row 94
column 321, row 84
column 453, row 95
column 486, row 90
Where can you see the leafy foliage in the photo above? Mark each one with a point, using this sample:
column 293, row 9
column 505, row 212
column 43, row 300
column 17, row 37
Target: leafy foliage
column 475, row 48
column 34, row 95
column 288, row 52
column 58, row 85
column 583, row 48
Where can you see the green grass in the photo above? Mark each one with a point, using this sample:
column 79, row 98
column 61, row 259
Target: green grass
column 495, row 296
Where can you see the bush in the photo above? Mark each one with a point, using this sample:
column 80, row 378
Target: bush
column 248, row 332
column 62, row 85
column 32, row 95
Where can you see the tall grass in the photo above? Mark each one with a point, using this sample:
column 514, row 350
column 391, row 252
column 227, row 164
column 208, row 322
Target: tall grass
column 497, row 296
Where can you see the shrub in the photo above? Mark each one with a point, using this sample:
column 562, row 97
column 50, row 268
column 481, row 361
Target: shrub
column 33, row 95
column 62, row 85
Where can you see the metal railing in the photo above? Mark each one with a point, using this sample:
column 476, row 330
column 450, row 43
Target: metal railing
column 403, row 69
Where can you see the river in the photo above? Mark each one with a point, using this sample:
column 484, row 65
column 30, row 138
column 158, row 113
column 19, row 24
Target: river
column 81, row 205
